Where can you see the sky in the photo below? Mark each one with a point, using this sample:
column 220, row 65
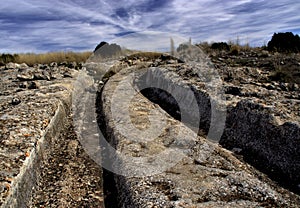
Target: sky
column 79, row 25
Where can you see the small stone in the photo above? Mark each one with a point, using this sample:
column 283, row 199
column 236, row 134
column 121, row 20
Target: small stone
column 284, row 86
column 23, row 66
column 23, row 85
column 237, row 150
column 67, row 74
column 25, row 77
column 43, row 66
column 53, row 64
column 11, row 65
column 171, row 62
column 42, row 76
column 72, row 65
column 15, row 101
column 33, row 85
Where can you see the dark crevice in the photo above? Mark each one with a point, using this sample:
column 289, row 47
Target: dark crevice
column 195, row 113
column 115, row 191
column 171, row 106
column 109, row 184
column 250, row 153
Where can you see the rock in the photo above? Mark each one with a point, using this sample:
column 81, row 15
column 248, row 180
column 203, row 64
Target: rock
column 11, row 65
column 33, row 85
column 106, row 50
column 23, row 66
column 53, row 64
column 15, row 101
column 23, row 85
column 63, row 64
column 67, row 74
column 44, row 75
column 43, row 66
column 72, row 65
column 237, row 150
column 25, row 77
column 269, row 86
column 171, row 61
column 208, row 176
column 293, row 87
column 284, row 86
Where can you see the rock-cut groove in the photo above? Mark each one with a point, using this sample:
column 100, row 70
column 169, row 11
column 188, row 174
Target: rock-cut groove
column 272, row 149
column 170, row 105
column 109, row 184
column 242, row 122
column 110, row 187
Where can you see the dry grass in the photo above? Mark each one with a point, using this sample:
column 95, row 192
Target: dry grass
column 47, row 58
column 235, row 47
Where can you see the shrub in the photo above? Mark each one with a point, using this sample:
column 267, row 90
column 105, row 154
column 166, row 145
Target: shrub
column 6, row 58
column 220, row 46
column 284, row 42
column 234, row 50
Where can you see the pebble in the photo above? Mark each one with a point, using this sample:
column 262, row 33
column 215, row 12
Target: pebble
column 25, row 77
column 33, row 85
column 67, row 74
column 23, row 85
column 15, row 101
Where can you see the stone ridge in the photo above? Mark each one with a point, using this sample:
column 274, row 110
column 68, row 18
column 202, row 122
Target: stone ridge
column 208, row 176
column 32, row 109
column 35, row 138
column 262, row 116
column 264, row 129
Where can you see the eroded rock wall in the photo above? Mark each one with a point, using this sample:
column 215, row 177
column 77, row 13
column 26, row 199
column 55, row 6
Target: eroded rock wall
column 250, row 128
column 206, row 176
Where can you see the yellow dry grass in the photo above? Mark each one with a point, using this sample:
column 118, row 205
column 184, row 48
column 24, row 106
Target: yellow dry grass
column 47, row 58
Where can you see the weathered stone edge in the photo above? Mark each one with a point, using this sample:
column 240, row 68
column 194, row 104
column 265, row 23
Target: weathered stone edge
column 28, row 177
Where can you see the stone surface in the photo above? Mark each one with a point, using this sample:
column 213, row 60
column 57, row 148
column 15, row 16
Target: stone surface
column 44, row 164
column 207, row 176
column 35, row 134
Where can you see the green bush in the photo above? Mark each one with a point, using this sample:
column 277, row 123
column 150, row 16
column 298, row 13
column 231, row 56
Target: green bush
column 284, row 42
column 220, row 46
column 6, row 58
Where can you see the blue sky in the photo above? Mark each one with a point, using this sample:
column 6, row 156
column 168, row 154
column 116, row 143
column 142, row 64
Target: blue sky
column 79, row 25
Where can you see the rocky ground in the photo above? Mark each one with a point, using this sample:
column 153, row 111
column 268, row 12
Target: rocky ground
column 270, row 81
column 208, row 176
column 70, row 178
column 42, row 162
column 41, row 155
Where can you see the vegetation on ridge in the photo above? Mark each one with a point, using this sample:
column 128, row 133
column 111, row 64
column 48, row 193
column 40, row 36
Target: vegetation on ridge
column 45, row 58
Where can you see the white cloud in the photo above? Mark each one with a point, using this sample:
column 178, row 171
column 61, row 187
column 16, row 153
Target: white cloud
column 35, row 25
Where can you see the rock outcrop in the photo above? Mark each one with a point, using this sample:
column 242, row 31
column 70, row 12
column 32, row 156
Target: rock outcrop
column 206, row 175
column 42, row 162
column 174, row 136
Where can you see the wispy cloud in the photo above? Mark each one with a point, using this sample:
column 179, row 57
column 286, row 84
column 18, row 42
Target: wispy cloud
column 40, row 25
